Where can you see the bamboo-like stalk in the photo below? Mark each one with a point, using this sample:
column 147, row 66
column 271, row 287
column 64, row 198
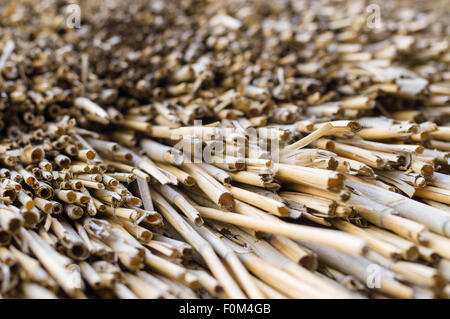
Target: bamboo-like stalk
column 438, row 243
column 268, row 291
column 434, row 193
column 276, row 278
column 358, row 267
column 141, row 234
column 127, row 214
column 181, row 176
column 150, row 167
column 347, row 281
column 360, row 168
column 128, row 254
column 50, row 260
column 35, row 291
column 141, row 288
column 161, row 153
column 31, row 266
column 200, row 245
column 409, row 250
column 322, row 205
column 219, row 174
column 215, row 191
column 268, row 253
column 326, row 237
column 73, row 244
column 323, row 130
column 177, row 199
column 122, row 177
column 383, row 248
column 442, row 133
column 294, row 251
column 10, row 220
column 90, row 275
column 129, row 169
column 385, row 217
column 359, row 154
column 419, row 274
column 343, row 195
column 289, row 248
column 163, row 266
column 383, row 147
column 208, row 282
column 183, row 248
column 254, row 179
column 343, row 132
column 164, row 289
column 232, row 261
column 91, row 107
column 165, row 251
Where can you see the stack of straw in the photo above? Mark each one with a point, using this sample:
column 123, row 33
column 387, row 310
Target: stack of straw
column 319, row 170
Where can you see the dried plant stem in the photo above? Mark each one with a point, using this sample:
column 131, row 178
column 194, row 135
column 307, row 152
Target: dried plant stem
column 200, row 245
column 215, row 191
column 266, row 203
column 433, row 218
column 329, row 238
column 323, row 179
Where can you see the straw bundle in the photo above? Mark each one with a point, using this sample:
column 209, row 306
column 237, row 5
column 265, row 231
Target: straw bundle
column 320, row 167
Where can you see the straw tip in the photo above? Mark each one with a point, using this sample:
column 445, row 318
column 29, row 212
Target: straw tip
column 226, row 200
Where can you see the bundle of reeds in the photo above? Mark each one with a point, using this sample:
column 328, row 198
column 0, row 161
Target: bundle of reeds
column 320, row 168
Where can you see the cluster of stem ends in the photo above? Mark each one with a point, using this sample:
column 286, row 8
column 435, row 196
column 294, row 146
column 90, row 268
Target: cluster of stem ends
column 326, row 127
